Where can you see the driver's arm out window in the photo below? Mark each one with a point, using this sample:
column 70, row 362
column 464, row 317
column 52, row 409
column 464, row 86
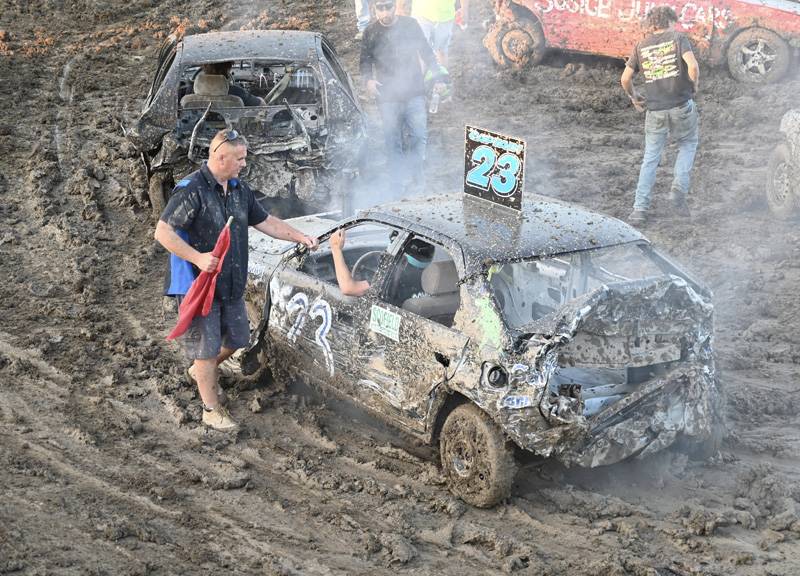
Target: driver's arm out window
column 364, row 245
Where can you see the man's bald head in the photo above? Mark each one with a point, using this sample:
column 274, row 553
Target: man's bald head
column 227, row 155
column 225, row 140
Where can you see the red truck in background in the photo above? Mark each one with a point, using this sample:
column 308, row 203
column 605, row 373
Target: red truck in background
column 757, row 39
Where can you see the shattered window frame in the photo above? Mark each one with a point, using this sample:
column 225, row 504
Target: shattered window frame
column 575, row 280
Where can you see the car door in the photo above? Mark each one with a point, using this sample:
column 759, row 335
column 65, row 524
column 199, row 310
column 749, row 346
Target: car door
column 313, row 324
column 409, row 348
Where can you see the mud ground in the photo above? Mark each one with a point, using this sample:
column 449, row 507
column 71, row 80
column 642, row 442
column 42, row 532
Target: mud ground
column 104, row 468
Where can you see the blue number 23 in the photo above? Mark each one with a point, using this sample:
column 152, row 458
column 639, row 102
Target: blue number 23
column 486, row 161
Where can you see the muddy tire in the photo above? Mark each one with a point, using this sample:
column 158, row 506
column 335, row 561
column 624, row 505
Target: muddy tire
column 759, row 56
column 782, row 190
column 706, row 449
column 517, row 44
column 157, row 192
column 477, row 460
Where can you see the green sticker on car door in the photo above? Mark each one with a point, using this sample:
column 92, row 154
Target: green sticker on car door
column 385, row 322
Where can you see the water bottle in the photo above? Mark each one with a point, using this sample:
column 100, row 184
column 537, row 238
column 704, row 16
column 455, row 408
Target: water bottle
column 433, row 108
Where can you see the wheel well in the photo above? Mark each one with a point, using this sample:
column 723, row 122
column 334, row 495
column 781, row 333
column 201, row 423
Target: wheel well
column 740, row 31
column 522, row 12
column 453, row 399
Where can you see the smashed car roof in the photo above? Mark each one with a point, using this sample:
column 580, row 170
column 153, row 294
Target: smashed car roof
column 242, row 44
column 487, row 233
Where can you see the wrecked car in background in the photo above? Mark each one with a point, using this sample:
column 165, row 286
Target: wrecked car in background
column 757, row 40
column 557, row 330
column 783, row 172
column 304, row 124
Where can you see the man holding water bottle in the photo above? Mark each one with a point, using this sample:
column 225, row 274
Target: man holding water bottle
column 391, row 51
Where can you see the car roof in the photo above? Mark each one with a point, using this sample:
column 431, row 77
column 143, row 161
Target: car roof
column 242, row 44
column 488, row 233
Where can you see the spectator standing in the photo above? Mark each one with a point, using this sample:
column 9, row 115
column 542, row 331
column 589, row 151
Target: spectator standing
column 671, row 75
column 436, row 18
column 391, row 52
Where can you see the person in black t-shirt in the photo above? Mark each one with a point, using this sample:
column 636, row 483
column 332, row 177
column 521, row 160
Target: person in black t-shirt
column 391, row 51
column 671, row 76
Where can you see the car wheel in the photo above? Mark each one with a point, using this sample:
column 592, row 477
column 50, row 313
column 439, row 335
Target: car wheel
column 157, row 193
column 477, row 460
column 781, row 198
column 758, row 55
column 516, row 44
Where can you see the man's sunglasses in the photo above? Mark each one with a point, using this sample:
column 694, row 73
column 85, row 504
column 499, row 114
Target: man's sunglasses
column 230, row 136
column 384, row 6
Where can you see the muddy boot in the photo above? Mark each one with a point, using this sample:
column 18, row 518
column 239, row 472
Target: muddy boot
column 219, row 419
column 222, row 396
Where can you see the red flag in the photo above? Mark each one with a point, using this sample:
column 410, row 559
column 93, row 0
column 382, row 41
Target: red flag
column 201, row 294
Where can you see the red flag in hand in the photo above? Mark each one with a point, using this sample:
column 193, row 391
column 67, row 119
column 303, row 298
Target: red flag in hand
column 201, row 294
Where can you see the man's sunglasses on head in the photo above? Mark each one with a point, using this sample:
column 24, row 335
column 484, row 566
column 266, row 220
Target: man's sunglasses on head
column 230, row 136
column 384, row 6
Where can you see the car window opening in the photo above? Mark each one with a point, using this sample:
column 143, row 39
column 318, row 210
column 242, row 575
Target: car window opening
column 424, row 281
column 530, row 290
column 363, row 253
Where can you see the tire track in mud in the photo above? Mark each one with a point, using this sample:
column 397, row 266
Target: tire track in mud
column 303, row 490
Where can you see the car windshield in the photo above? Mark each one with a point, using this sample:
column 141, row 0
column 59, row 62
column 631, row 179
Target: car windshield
column 529, row 290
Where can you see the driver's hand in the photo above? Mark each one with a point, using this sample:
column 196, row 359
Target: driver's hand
column 337, row 240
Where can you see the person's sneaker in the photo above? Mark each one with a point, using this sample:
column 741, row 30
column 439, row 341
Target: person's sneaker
column 222, row 396
column 637, row 217
column 359, row 36
column 219, row 419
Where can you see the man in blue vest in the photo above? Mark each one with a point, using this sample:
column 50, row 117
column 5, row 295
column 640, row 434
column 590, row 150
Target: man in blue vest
column 189, row 226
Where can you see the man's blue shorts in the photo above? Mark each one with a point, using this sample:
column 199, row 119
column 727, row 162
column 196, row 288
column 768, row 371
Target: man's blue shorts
column 225, row 326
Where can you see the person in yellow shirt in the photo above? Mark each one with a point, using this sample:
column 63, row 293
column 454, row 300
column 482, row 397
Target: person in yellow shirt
column 436, row 18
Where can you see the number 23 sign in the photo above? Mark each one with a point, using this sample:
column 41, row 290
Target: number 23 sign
column 494, row 167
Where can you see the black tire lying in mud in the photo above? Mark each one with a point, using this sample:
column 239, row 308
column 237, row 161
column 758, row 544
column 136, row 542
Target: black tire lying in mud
column 477, row 460
column 758, row 55
column 782, row 190
column 517, row 44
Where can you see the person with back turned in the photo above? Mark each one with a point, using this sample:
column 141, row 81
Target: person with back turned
column 671, row 74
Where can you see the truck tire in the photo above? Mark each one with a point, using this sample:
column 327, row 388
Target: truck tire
column 759, row 56
column 782, row 190
column 516, row 44
column 477, row 460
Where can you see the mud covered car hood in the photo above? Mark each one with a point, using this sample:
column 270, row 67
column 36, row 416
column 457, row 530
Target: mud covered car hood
column 658, row 322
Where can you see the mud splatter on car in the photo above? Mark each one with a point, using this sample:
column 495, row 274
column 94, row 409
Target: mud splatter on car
column 558, row 330
column 285, row 91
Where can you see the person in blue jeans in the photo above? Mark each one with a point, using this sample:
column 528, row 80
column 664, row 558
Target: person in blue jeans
column 362, row 17
column 391, row 51
column 671, row 74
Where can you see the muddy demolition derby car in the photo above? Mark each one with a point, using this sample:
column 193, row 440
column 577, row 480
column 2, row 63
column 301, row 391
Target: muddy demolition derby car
column 783, row 174
column 557, row 330
column 302, row 120
column 757, row 40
